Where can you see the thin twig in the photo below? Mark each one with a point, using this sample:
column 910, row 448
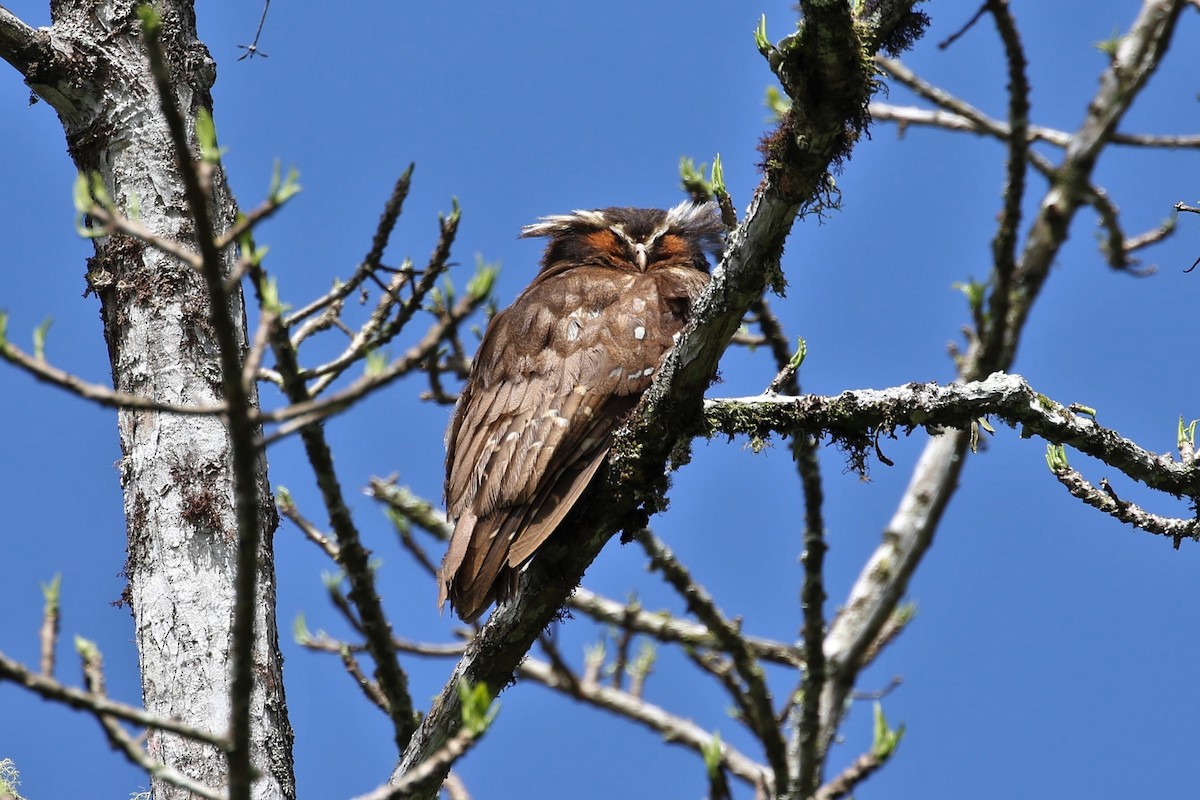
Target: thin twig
column 352, row 556
column 101, row 395
column 1106, row 500
column 862, row 768
column 761, row 718
column 252, row 48
column 50, row 689
column 675, row 730
column 1004, row 245
column 383, row 232
column 120, row 740
column 288, row 509
column 428, row 771
column 661, row 626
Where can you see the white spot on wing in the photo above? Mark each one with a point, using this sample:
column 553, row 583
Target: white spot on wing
column 639, row 333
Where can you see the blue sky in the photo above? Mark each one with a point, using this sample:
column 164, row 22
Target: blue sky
column 1052, row 649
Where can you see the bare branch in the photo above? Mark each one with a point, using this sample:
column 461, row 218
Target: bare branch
column 885, row 577
column 1105, row 498
column 1004, row 245
column 760, row 715
column 428, row 774
column 676, row 730
column 101, row 395
column 23, row 47
column 93, row 674
column 79, row 700
column 288, row 509
column 662, row 626
column 862, row 768
column 1007, row 397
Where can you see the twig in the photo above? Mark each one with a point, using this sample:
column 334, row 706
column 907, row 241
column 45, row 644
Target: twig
column 1004, row 245
column 958, row 34
column 288, row 509
column 297, row 415
column 383, row 232
column 812, row 597
column 426, row 774
column 322, row 642
column 119, row 738
column 863, row 767
column 562, row 670
column 1106, row 500
column 722, row 669
column 454, row 787
column 416, row 509
column 760, row 716
column 676, row 730
column 404, row 508
column 101, row 395
column 115, row 223
column 50, row 689
column 252, row 48
column 369, row 688
column 268, row 319
column 51, row 619
column 660, row 625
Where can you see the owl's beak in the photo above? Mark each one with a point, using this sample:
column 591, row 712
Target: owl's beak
column 639, row 252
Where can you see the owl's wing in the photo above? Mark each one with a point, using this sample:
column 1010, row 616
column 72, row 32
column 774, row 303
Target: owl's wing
column 555, row 374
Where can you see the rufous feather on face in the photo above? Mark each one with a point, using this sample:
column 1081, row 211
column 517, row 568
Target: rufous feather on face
column 555, row 375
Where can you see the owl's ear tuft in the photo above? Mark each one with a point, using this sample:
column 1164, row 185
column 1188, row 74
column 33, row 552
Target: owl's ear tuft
column 560, row 224
column 698, row 222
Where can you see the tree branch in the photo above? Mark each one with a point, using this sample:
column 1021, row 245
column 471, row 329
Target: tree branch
column 100, row 395
column 853, row 415
column 674, row 729
column 760, row 715
column 20, row 45
column 50, row 689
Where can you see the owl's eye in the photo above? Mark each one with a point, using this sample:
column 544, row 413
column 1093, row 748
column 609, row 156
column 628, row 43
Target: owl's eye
column 671, row 246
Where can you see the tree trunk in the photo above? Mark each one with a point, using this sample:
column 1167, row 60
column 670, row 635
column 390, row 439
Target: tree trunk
column 91, row 66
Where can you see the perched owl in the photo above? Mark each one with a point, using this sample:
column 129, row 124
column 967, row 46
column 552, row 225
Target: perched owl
column 555, row 374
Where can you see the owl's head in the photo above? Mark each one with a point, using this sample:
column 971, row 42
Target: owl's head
column 641, row 239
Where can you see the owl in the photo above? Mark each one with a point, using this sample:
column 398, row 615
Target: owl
column 555, row 375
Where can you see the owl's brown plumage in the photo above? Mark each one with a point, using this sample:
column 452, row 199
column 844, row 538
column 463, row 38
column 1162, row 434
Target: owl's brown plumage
column 555, row 374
